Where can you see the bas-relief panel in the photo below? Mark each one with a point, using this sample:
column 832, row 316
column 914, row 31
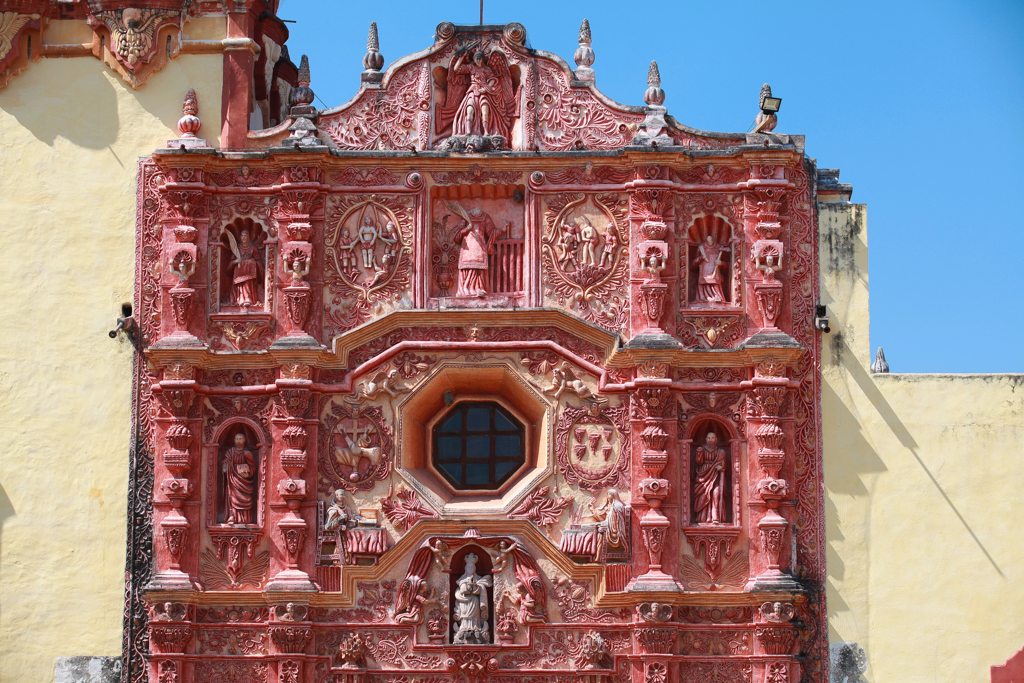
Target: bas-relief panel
column 368, row 248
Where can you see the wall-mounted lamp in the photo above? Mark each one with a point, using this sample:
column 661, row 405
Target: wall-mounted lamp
column 126, row 324
column 821, row 319
column 770, row 105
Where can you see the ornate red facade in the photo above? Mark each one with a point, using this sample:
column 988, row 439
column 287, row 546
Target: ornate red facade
column 478, row 227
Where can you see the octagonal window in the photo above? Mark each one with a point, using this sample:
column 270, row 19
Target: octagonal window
column 478, row 446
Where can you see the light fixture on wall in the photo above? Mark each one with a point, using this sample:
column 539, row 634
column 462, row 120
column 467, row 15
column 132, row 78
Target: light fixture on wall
column 821, row 319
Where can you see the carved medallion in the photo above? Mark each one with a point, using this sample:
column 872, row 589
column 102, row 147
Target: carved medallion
column 589, row 446
column 584, row 249
column 367, row 257
column 355, row 447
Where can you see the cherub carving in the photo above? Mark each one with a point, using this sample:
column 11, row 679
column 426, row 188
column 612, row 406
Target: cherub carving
column 297, row 267
column 383, row 381
column 501, row 556
column 184, row 266
column 480, row 98
column 170, row 611
column 563, row 378
column 441, row 553
column 656, row 612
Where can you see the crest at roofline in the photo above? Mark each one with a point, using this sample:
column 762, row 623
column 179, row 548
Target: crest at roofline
column 481, row 89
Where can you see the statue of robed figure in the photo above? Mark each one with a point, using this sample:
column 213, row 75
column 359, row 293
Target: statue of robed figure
column 709, row 483
column 471, row 610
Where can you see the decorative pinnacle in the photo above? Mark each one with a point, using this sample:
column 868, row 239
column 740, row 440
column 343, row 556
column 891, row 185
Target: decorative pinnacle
column 189, row 124
column 372, row 42
column 373, row 61
column 766, row 91
column 584, row 54
column 654, row 96
column 653, row 76
column 585, row 33
column 191, row 104
column 304, row 78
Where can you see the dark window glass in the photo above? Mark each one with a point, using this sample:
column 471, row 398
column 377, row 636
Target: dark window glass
column 478, row 446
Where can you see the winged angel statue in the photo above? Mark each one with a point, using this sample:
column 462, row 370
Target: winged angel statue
column 480, row 98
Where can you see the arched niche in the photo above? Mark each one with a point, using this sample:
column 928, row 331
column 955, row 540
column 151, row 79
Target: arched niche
column 484, row 568
column 249, row 294
column 222, row 457
column 703, row 477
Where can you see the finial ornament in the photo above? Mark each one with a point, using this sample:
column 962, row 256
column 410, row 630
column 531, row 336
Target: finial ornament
column 584, row 54
column 654, row 96
column 880, row 367
column 302, row 96
column 374, row 60
column 585, row 32
column 189, row 124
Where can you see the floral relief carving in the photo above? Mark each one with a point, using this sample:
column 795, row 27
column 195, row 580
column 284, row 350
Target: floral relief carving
column 715, row 672
column 231, row 641
column 384, row 119
column 715, row 643
column 573, row 118
column 365, row 177
column 231, row 672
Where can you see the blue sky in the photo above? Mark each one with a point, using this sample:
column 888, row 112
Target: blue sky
column 920, row 104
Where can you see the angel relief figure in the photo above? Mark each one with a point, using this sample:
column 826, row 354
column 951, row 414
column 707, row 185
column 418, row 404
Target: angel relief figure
column 480, row 99
column 244, row 269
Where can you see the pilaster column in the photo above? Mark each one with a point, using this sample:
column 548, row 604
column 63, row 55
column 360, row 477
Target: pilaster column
column 652, row 408
column 290, row 460
column 176, row 398
column 766, row 399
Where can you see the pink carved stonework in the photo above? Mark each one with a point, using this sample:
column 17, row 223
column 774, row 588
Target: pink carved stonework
column 414, row 408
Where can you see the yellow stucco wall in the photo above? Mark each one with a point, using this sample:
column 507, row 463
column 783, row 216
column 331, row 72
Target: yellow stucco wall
column 925, row 565
column 71, row 135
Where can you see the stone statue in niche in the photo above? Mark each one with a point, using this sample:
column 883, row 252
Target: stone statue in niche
column 709, row 481
column 710, row 261
column 239, row 469
column 471, row 610
column 476, row 241
column 709, row 266
column 245, row 269
column 480, row 99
